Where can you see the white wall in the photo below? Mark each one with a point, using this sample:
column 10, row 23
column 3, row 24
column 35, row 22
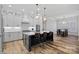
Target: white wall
column 51, row 25
column 71, row 25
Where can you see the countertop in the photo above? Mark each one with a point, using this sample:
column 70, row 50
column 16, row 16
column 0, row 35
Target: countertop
column 33, row 33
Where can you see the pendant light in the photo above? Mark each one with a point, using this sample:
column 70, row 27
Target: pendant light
column 44, row 18
column 37, row 11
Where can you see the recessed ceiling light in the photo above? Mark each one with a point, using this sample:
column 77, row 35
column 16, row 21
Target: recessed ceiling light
column 9, row 5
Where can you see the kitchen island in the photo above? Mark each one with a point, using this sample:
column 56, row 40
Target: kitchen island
column 33, row 38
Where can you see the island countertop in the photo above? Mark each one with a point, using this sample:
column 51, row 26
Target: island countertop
column 33, row 33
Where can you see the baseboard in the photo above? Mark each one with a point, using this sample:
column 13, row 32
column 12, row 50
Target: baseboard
column 73, row 35
column 12, row 41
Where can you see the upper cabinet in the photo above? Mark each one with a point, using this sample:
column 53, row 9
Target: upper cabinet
column 25, row 23
column 12, row 21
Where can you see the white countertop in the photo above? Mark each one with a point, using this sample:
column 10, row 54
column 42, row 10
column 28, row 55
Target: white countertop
column 12, row 29
column 33, row 33
column 46, row 31
column 29, row 33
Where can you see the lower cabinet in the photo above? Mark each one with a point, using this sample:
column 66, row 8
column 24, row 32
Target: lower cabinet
column 0, row 45
column 11, row 36
column 6, row 36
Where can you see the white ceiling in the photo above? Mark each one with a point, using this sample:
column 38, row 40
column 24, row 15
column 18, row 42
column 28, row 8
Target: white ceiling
column 52, row 9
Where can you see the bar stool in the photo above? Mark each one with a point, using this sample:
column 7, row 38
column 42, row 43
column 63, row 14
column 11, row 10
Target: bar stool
column 43, row 39
column 33, row 40
column 50, row 36
column 58, row 32
column 66, row 32
column 37, row 40
column 62, row 33
column 45, row 36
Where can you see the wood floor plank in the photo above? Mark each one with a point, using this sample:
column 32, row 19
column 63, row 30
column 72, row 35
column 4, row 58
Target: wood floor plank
column 61, row 45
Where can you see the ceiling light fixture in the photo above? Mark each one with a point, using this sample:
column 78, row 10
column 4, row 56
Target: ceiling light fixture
column 9, row 5
column 37, row 12
column 44, row 14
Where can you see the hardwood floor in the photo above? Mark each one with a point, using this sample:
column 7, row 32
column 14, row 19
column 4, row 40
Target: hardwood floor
column 61, row 45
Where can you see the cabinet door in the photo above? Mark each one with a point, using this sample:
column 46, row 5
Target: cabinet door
column 25, row 26
column 11, row 36
column 18, row 35
column 17, row 22
column 0, row 45
column 12, row 21
column 7, row 37
column 8, row 20
column 14, row 36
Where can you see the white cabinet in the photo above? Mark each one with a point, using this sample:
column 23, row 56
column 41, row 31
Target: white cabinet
column 25, row 25
column 11, row 36
column 11, row 21
column 7, row 36
column 17, row 35
column 16, row 22
column 8, row 20
column 0, row 45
